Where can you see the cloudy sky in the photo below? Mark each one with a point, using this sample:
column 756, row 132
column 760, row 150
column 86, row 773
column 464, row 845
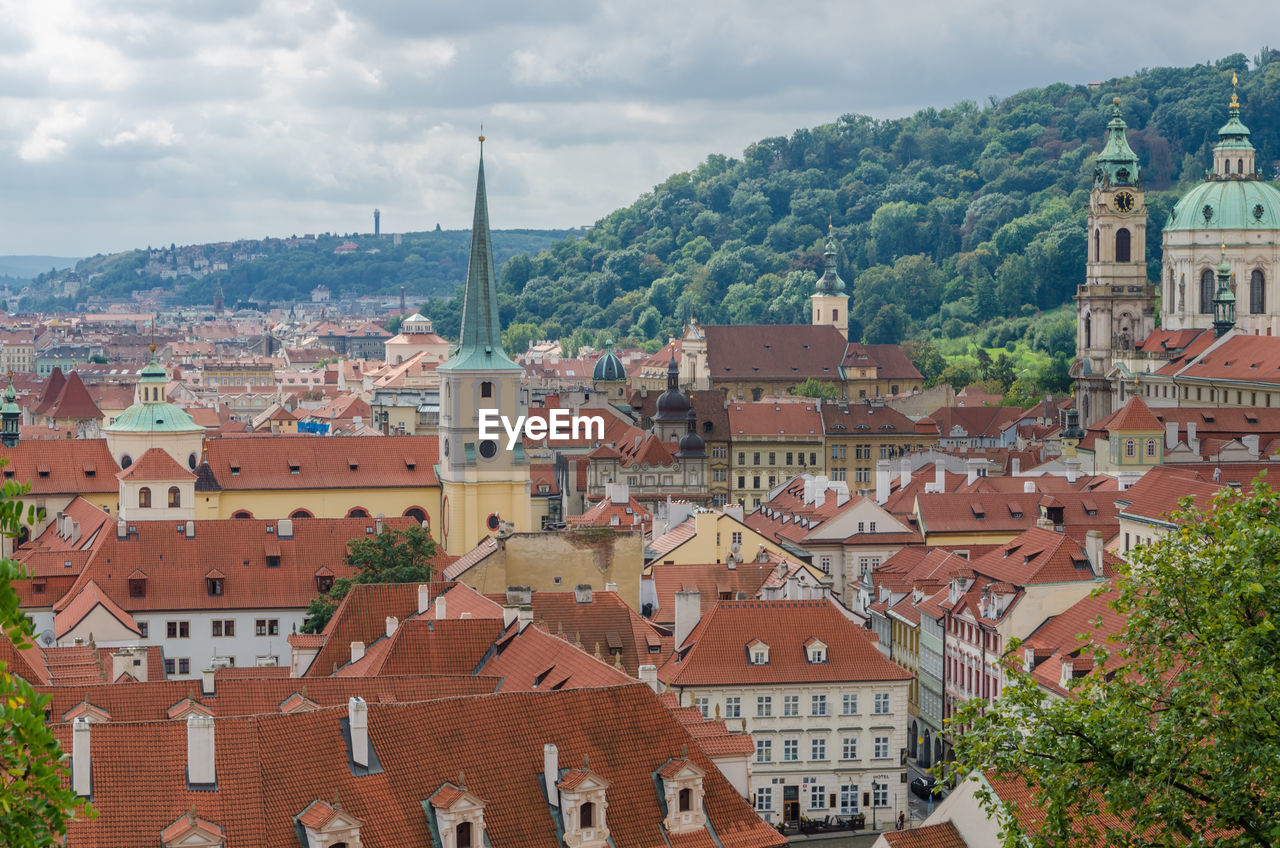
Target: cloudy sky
column 125, row 123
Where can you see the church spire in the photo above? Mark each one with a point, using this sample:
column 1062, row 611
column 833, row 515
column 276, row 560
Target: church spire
column 1117, row 164
column 830, row 282
column 10, row 417
column 1224, row 301
column 480, row 341
column 1233, row 155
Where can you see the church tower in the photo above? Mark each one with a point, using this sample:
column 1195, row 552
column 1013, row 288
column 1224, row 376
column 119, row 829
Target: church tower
column 483, row 483
column 830, row 303
column 1115, row 307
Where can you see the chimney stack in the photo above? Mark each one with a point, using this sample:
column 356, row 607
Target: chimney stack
column 357, row 651
column 81, row 762
column 551, row 772
column 649, row 675
column 207, row 685
column 524, row 617
column 1028, row 486
column 582, row 593
column 358, row 719
column 904, row 473
column 1093, row 550
column 1073, row 470
column 1170, row 435
column 441, row 608
column 882, row 481
column 424, row 598
column 1017, row 466
column 392, row 623
column 200, row 768
column 191, row 529
column 688, row 611
column 974, row 466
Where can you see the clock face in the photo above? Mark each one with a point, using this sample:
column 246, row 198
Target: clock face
column 1124, row 201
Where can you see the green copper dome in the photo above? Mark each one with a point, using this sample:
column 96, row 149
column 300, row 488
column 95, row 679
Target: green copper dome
column 153, row 416
column 1116, row 164
column 608, row 368
column 830, row 283
column 1227, row 205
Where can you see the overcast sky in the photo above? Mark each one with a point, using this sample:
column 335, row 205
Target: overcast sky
column 125, row 123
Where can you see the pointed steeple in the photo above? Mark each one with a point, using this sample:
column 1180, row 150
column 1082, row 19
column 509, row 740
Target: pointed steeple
column 480, row 342
column 1117, row 164
column 1233, row 155
column 10, row 417
column 1224, row 301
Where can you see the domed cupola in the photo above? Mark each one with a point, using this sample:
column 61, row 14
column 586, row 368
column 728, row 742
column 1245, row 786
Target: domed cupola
column 153, row 422
column 609, row 368
column 830, row 283
column 673, row 407
column 1117, row 164
column 691, row 444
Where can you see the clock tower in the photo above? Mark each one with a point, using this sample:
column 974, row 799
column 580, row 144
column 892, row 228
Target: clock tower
column 483, row 481
column 1115, row 306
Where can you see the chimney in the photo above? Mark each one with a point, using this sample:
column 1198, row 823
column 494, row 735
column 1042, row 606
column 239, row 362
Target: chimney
column 551, row 772
column 1068, row 672
column 1028, row 486
column 1170, row 435
column 524, row 617
column 424, row 598
column 939, row 477
column 1028, row 659
column 649, row 674
column 882, row 481
column 200, row 768
column 1017, row 466
column 688, row 611
column 733, row 510
column 611, row 587
column 441, row 608
column 1250, row 443
column 973, row 466
column 358, row 719
column 904, row 473
column 191, row 529
column 1093, row 550
column 122, row 529
column 207, row 684
column 392, row 623
column 81, row 762
column 284, row 528
column 1073, row 470
column 357, row 651
column 377, row 527
column 582, row 593
column 1192, row 441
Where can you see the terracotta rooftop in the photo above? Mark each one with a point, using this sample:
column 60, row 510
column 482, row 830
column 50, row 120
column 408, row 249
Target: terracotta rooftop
column 789, row 352
column 270, row 462
column 65, row 466
column 155, row 464
column 942, row 835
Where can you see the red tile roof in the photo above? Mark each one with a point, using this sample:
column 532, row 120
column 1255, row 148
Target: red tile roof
column 975, row 421
column 1134, row 415
column 890, row 361
column 49, row 391
column 155, row 464
column 775, row 419
column 1013, row 512
column 1159, row 493
column 1253, row 359
column 263, row 782
column 1036, row 556
column 73, row 401
column 86, row 599
column 535, row 660
column 1060, row 638
column 942, row 835
column 714, row 581
column 788, row 352
column 268, row 462
column 65, row 466
column 715, row 652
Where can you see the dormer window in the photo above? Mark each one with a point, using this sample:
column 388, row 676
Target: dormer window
column 682, row 795
column 329, row 826
column 758, row 652
column 459, row 815
column 582, row 798
column 815, row 651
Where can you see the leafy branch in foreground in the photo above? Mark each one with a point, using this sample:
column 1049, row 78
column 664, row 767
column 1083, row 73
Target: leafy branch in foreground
column 1173, row 738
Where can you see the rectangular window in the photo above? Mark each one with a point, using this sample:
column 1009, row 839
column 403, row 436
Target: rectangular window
column 184, row 665
column 813, row 459
column 260, row 627
column 773, row 458
column 273, row 627
column 849, row 704
column 818, row 705
column 764, row 750
column 849, row 748
column 848, row 800
column 818, row 748
column 143, row 629
column 755, row 458
column 169, row 667
column 764, row 706
column 881, row 751
column 790, row 750
column 882, row 703
column 736, row 538
column 817, row 796
column 217, row 628
column 742, row 458
column 733, row 707
column 791, row 705
column 764, row 797
column 835, row 451
column 879, row 794
column 825, row 563
column 703, row 704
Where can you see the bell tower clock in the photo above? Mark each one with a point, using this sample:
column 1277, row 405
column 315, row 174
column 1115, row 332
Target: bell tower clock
column 1115, row 306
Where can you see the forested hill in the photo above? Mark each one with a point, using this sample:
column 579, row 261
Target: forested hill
column 945, row 219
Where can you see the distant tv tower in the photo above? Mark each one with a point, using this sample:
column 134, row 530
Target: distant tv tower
column 402, row 310
column 377, row 223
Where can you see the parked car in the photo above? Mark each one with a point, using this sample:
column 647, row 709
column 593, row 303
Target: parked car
column 926, row 787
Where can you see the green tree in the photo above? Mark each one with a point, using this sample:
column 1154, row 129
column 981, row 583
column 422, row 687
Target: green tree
column 35, row 799
column 393, row 556
column 927, row 360
column 814, row 388
column 1175, row 734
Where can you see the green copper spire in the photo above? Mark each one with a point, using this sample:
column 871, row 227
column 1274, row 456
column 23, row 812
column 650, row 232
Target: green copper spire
column 480, row 342
column 830, row 282
column 1224, row 302
column 1233, row 135
column 10, row 417
column 1117, row 164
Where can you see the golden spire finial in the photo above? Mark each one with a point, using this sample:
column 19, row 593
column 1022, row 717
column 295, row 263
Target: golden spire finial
column 1235, row 104
column 482, row 133
column 1115, row 101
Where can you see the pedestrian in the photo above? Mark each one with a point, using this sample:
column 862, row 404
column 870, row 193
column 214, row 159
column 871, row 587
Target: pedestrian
column 902, row 820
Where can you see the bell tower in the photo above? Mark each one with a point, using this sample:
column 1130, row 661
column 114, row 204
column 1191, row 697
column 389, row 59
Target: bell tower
column 830, row 303
column 1115, row 306
column 483, row 481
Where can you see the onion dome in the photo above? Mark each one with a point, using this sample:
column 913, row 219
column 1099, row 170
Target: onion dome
column 672, row 404
column 830, row 283
column 609, row 369
column 691, row 444
column 1116, row 164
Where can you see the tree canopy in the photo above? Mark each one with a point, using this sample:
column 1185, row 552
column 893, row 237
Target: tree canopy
column 1173, row 738
column 393, row 556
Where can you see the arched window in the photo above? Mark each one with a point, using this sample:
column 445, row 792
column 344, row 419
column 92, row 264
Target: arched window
column 1239, row 166
column 1097, row 245
column 463, row 835
column 1257, row 292
column 486, row 389
column 300, row 513
column 175, row 497
column 587, row 815
column 1122, row 245
column 686, row 800
column 1130, row 448
column 357, row 512
column 1226, row 166
column 1151, row 447
column 126, row 461
column 1088, row 330
column 416, row 513
column 1207, row 287
column 144, row 497
column 242, row 513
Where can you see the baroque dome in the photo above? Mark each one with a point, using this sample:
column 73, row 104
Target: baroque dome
column 1227, row 204
column 608, row 368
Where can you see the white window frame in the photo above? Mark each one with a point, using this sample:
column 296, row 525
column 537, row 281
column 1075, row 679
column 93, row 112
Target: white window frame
column 849, row 748
column 764, row 750
column 818, row 705
column 880, row 749
column 882, row 703
column 849, row 703
column 791, row 705
column 733, row 706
